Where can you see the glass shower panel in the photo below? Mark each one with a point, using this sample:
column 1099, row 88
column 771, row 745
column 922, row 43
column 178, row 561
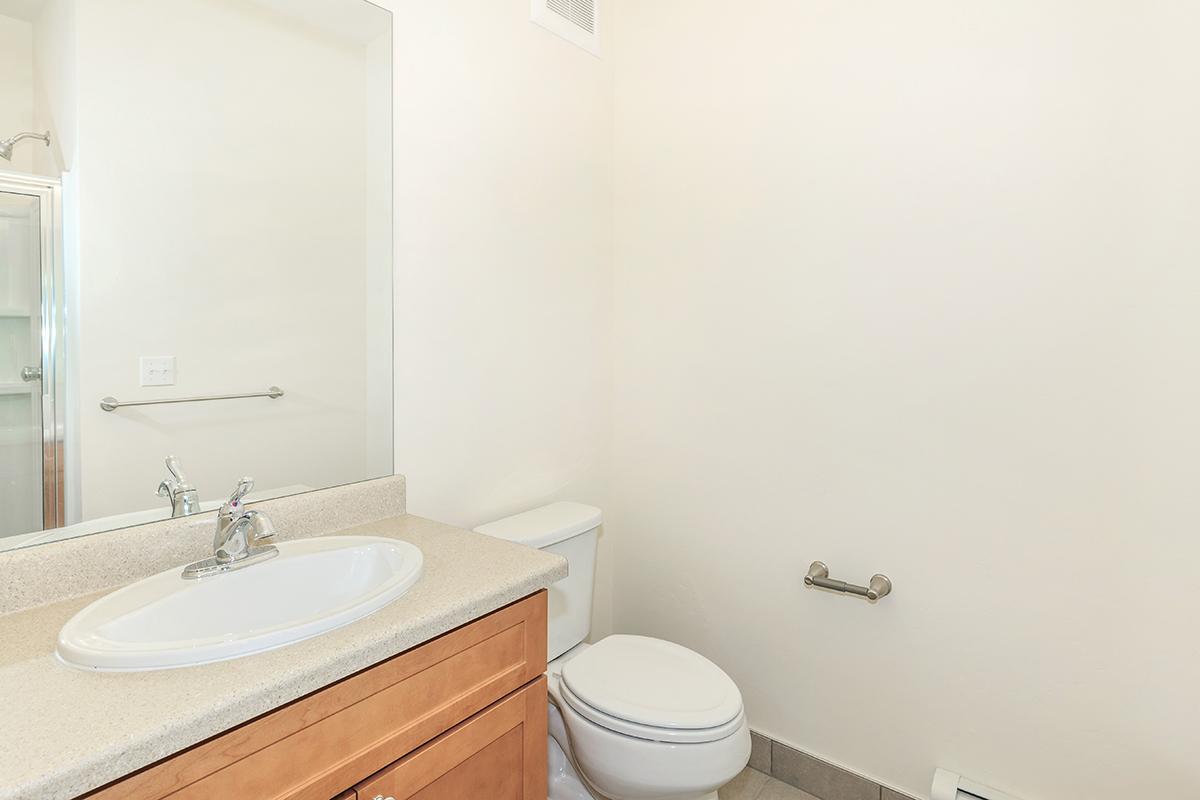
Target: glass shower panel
column 21, row 440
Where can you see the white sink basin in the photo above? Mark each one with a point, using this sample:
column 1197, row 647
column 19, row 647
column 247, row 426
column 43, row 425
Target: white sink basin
column 311, row 587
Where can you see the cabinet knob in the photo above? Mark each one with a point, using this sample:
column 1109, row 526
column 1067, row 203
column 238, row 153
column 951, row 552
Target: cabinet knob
column 381, row 797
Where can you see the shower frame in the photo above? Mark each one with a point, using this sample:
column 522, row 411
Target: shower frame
column 52, row 318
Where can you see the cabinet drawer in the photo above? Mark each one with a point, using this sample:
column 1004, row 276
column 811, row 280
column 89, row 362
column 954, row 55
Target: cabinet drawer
column 499, row 754
column 315, row 747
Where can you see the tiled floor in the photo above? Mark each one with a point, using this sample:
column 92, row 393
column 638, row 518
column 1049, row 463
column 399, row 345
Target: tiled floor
column 755, row 785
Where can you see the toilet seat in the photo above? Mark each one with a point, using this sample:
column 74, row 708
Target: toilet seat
column 646, row 732
column 652, row 689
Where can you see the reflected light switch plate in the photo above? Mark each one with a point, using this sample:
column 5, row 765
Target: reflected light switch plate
column 157, row 370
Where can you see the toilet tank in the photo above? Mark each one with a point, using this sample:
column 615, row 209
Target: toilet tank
column 569, row 530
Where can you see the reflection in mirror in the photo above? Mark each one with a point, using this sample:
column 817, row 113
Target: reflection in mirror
column 195, row 256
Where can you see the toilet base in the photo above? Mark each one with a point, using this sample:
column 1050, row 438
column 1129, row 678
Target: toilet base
column 564, row 781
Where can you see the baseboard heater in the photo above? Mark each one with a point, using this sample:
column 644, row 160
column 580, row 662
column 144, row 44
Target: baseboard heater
column 951, row 786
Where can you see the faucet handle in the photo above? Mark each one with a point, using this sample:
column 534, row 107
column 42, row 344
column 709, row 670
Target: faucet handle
column 243, row 488
column 177, row 482
column 176, row 470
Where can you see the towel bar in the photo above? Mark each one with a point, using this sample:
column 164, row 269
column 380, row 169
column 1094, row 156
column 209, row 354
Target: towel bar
column 112, row 403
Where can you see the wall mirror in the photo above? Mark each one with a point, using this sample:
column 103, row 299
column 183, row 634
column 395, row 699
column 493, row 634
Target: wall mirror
column 195, row 203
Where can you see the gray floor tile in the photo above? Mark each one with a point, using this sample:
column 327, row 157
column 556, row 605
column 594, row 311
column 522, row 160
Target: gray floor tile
column 818, row 778
column 892, row 794
column 745, row 786
column 778, row 790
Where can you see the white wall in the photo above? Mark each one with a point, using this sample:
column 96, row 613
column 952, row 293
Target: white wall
column 223, row 202
column 16, row 89
column 37, row 93
column 911, row 288
column 503, row 230
column 55, row 99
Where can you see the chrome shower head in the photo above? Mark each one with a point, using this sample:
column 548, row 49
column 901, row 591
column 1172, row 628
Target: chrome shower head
column 6, row 146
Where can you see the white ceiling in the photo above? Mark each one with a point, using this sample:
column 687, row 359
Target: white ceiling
column 354, row 20
column 27, row 10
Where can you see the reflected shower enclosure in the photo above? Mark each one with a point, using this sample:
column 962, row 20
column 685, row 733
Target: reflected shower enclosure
column 31, row 447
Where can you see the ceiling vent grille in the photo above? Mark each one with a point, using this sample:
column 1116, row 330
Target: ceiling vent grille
column 579, row 12
column 576, row 21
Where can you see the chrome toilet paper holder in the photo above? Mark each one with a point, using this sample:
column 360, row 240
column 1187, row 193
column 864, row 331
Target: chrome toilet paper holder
column 818, row 575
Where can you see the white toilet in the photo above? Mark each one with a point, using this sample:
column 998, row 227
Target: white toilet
column 631, row 718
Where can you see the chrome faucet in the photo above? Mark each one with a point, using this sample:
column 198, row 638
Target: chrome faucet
column 184, row 497
column 237, row 538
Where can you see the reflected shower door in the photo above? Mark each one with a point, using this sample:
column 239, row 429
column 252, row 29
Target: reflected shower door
column 30, row 458
column 20, row 364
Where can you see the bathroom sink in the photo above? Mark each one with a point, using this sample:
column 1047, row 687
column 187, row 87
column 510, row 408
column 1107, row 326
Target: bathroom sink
column 313, row 586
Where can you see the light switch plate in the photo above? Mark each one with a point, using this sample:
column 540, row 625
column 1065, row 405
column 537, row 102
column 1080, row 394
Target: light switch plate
column 157, row 370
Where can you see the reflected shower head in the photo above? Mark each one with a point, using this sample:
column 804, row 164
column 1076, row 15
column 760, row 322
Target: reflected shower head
column 6, row 146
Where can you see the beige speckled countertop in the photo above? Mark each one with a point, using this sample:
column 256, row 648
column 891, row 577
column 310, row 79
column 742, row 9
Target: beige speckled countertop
column 65, row 731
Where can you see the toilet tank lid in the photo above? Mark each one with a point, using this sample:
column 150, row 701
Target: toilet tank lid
column 545, row 526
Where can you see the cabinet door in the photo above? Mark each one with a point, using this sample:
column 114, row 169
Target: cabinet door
column 498, row 754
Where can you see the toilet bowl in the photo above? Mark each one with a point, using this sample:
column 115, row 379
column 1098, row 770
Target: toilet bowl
column 631, row 717
column 612, row 756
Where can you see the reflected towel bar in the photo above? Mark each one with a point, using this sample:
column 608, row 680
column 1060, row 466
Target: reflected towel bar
column 112, row 403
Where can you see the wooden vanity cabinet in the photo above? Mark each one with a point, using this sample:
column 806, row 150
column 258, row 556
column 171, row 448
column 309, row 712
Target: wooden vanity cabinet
column 461, row 716
column 498, row 754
